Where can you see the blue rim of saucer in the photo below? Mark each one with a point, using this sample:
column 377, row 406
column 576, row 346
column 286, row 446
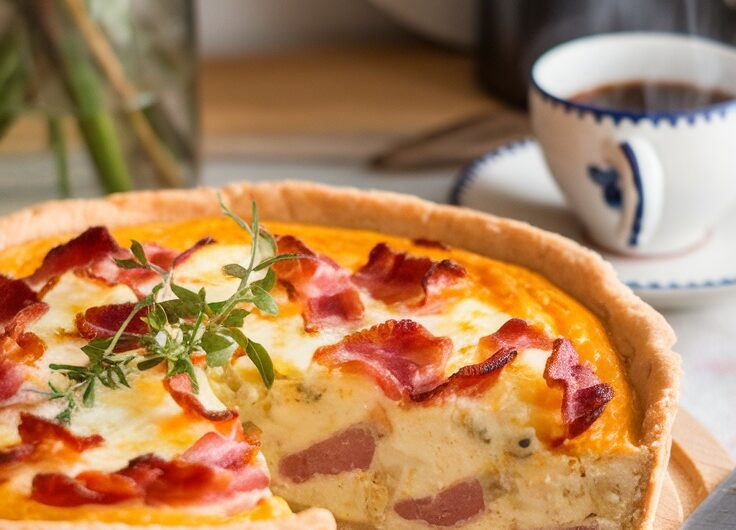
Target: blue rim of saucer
column 690, row 116
column 470, row 172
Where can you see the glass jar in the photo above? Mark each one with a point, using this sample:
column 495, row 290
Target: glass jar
column 97, row 96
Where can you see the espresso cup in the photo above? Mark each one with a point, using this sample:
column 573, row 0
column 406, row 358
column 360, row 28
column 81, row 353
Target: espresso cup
column 641, row 183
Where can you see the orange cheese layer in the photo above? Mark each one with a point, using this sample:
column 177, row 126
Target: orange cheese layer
column 510, row 288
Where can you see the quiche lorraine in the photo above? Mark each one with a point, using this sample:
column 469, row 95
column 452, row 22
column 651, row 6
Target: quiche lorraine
column 358, row 356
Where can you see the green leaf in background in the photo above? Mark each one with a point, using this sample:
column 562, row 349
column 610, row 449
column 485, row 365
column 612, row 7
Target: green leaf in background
column 12, row 76
column 57, row 144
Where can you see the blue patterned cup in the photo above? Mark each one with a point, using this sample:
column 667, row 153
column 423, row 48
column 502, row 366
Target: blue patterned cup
column 642, row 183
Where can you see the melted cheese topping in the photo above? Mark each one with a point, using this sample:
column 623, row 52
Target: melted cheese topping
column 131, row 419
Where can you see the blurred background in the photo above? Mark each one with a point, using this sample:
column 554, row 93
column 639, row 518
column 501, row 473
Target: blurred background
column 108, row 95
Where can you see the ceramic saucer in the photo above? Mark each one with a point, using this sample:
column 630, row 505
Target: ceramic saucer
column 513, row 181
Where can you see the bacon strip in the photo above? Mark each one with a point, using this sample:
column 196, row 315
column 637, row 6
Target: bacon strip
column 349, row 450
column 92, row 253
column 36, row 432
column 584, row 395
column 94, row 244
column 16, row 453
column 19, row 307
column 515, row 333
column 180, row 388
column 15, row 296
column 11, row 374
column 319, row 285
column 398, row 277
column 141, row 280
column 448, row 507
column 25, row 317
column 471, row 378
column 102, row 322
column 402, row 356
column 212, row 470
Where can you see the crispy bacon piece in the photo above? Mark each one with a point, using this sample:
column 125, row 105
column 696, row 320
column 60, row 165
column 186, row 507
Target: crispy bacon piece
column 15, row 296
column 515, row 333
column 180, row 388
column 11, row 374
column 18, row 346
column 213, row 469
column 36, row 430
column 104, row 321
column 141, row 280
column 93, row 252
column 584, row 395
column 94, row 244
column 57, row 489
column 16, row 453
column 402, row 356
column 319, row 285
column 471, row 378
column 450, row 506
column 349, row 450
column 25, row 317
column 398, row 277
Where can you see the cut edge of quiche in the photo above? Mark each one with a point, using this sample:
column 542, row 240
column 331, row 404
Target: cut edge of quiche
column 639, row 334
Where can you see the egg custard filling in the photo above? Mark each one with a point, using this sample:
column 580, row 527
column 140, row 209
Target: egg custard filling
column 413, row 386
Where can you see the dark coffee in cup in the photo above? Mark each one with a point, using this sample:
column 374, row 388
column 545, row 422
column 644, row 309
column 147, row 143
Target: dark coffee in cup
column 652, row 96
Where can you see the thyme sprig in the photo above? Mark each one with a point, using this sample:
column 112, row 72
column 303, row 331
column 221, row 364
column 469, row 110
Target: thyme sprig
column 182, row 324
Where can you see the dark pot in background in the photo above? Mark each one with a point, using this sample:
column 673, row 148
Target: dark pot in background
column 513, row 33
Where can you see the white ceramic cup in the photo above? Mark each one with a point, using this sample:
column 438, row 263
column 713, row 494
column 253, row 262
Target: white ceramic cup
column 642, row 183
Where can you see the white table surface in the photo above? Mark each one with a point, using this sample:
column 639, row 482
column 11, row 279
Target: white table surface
column 706, row 335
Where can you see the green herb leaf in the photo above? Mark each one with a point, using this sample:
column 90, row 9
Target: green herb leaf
column 150, row 363
column 242, row 224
column 127, row 263
column 236, row 318
column 157, row 318
column 192, row 301
column 219, row 348
column 238, row 271
column 88, row 398
column 268, row 281
column 262, row 360
column 264, row 301
column 137, row 250
column 275, row 259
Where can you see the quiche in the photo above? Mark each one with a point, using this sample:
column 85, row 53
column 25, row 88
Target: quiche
column 317, row 355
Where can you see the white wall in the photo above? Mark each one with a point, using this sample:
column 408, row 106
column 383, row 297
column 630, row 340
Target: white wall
column 234, row 26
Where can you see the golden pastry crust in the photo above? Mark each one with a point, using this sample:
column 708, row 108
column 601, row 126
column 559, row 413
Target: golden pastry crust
column 639, row 334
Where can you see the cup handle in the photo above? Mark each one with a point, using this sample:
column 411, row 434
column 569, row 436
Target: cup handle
column 641, row 180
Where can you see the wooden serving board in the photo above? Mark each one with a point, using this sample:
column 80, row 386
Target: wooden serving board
column 698, row 463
